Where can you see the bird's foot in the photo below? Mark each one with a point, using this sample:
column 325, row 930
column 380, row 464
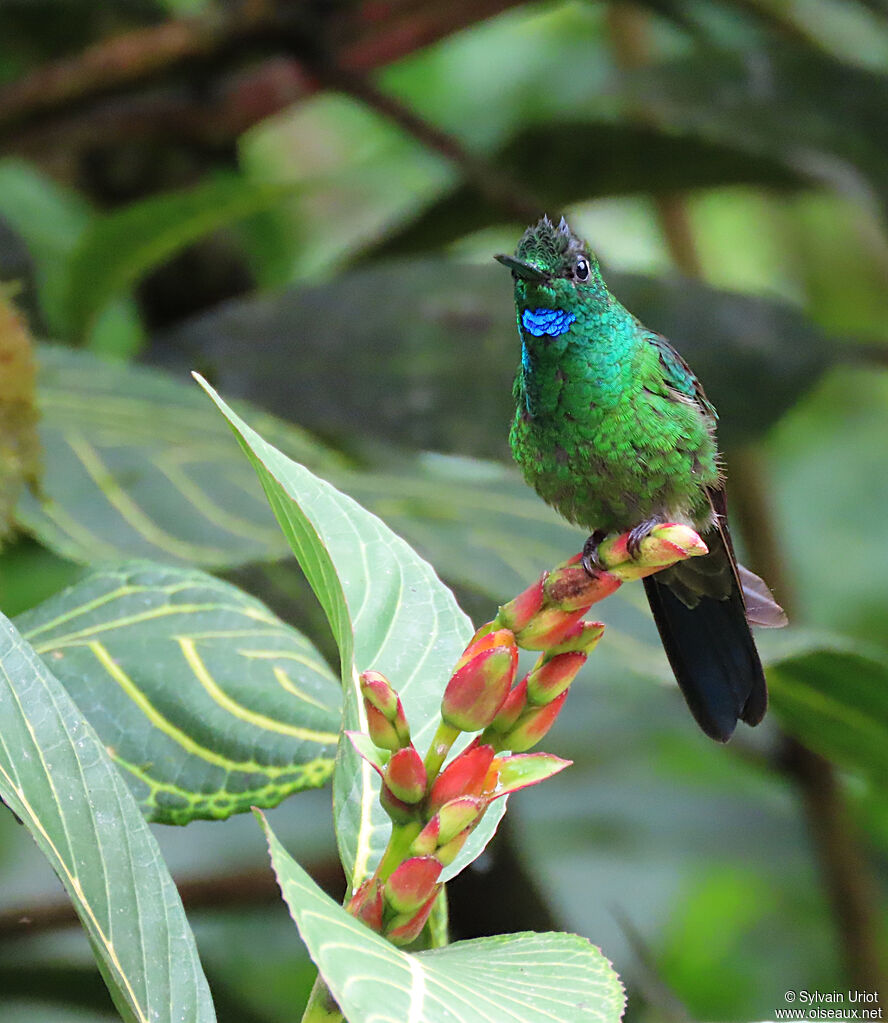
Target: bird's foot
column 637, row 534
column 590, row 553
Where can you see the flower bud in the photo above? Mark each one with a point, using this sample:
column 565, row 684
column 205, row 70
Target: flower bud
column 386, row 722
column 411, row 883
column 481, row 682
column 582, row 638
column 405, row 775
column 518, row 612
column 399, row 811
column 406, row 927
column 366, row 904
column 381, row 730
column 510, row 772
column 448, row 852
column 512, row 707
column 663, row 546
column 571, row 588
column 464, row 776
column 447, row 823
column 533, row 725
column 551, row 677
column 548, row 628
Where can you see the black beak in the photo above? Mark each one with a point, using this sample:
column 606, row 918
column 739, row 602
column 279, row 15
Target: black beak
column 527, row 271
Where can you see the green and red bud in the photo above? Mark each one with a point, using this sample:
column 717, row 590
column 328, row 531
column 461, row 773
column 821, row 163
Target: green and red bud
column 663, row 546
column 552, row 676
column 366, row 904
column 411, row 883
column 405, row 775
column 464, row 776
column 406, row 927
column 548, row 628
column 570, row 587
column 511, row 709
column 582, row 638
column 510, row 772
column 386, row 721
column 532, row 725
column 518, row 613
column 447, row 823
column 481, row 682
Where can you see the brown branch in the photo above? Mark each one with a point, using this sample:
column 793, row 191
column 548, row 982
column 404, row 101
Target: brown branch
column 847, row 876
column 496, row 187
column 357, row 37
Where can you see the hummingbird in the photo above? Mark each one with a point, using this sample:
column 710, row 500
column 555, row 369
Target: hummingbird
column 614, row 431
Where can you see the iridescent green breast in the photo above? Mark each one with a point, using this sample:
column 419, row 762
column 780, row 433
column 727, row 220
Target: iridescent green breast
column 601, row 435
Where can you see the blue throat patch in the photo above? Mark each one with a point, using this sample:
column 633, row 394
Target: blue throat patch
column 546, row 321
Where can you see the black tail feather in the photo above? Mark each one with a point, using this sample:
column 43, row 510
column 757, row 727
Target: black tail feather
column 713, row 656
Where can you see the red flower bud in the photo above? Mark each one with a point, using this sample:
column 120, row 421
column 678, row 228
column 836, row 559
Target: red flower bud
column 518, row 612
column 481, row 683
column 406, row 927
column 582, row 638
column 383, row 707
column 411, row 883
column 378, row 692
column 447, row 823
column 533, row 725
column 571, row 588
column 381, row 730
column 366, row 904
column 399, row 811
column 548, row 628
column 405, row 775
column 463, row 777
column 512, row 707
column 514, row 771
column 552, row 677
column 448, row 852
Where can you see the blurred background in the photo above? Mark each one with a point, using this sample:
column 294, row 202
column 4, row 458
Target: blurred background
column 301, row 200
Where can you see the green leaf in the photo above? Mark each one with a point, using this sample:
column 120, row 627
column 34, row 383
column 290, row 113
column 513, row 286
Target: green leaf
column 836, row 702
column 116, row 250
column 51, row 220
column 511, row 978
column 388, row 611
column 56, row 776
column 137, row 465
column 206, row 700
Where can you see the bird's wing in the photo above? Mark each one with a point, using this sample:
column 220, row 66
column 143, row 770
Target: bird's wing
column 679, row 377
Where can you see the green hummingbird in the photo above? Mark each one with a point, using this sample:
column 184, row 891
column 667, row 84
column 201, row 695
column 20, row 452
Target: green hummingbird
column 614, row 431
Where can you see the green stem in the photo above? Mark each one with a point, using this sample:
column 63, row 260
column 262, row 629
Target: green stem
column 445, row 737
column 322, row 1007
column 398, row 847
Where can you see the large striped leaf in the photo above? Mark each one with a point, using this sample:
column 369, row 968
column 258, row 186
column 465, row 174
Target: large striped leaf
column 56, row 775
column 208, row 702
column 510, row 978
column 137, row 465
column 388, row 611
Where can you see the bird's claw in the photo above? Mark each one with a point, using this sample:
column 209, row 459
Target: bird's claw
column 590, row 559
column 637, row 534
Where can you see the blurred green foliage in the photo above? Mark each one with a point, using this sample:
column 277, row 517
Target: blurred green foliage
column 354, row 258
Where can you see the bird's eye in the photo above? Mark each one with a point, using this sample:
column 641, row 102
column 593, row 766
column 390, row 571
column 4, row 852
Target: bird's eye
column 581, row 270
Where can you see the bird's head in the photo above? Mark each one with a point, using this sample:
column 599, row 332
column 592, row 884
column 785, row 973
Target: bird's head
column 552, row 267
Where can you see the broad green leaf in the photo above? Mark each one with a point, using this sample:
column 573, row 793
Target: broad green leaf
column 206, row 700
column 431, row 350
column 56, row 776
column 836, row 702
column 137, row 465
column 51, row 220
column 388, row 611
column 510, row 978
column 117, row 249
